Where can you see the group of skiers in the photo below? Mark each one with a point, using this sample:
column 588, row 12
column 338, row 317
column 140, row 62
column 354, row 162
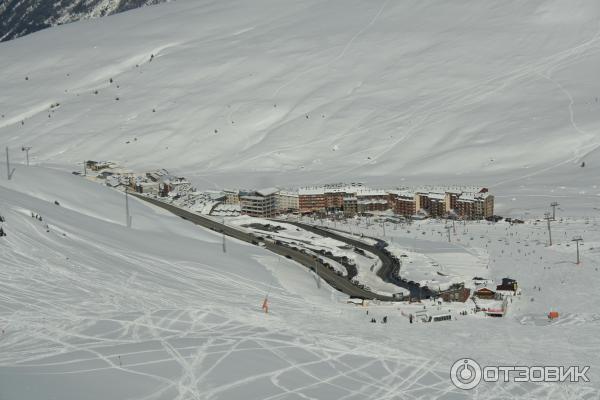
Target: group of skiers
column 39, row 218
column 374, row 321
column 33, row 215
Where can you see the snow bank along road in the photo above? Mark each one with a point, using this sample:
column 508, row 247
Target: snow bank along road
column 94, row 310
column 338, row 282
column 386, row 271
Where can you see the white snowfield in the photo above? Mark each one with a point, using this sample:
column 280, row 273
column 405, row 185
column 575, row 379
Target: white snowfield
column 295, row 237
column 90, row 309
column 274, row 93
column 432, row 263
column 266, row 93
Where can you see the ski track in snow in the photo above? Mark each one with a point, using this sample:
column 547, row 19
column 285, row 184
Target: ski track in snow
column 380, row 115
column 194, row 330
column 340, row 55
column 468, row 96
column 89, row 310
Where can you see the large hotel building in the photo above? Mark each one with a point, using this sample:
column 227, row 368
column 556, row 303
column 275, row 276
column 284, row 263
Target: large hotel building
column 352, row 199
column 466, row 202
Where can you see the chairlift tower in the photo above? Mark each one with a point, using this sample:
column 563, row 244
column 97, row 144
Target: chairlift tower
column 554, row 204
column 26, row 150
column 317, row 274
column 127, row 216
column 577, row 239
column 548, row 218
column 7, row 165
column 8, row 171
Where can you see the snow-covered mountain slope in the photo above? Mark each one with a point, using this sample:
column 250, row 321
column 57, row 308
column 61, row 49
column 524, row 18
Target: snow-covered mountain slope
column 21, row 17
column 291, row 92
column 90, row 309
column 79, row 290
column 267, row 92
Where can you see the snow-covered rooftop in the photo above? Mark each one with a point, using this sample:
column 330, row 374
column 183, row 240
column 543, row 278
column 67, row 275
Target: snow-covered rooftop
column 267, row 191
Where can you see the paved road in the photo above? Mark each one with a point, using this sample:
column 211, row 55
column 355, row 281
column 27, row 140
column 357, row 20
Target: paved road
column 311, row 262
column 388, row 271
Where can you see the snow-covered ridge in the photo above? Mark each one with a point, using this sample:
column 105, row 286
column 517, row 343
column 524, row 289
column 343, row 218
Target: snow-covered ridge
column 90, row 308
column 271, row 93
column 22, row 17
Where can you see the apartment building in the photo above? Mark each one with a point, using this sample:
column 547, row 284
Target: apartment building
column 432, row 204
column 466, row 203
column 232, row 196
column 287, row 201
column 347, row 198
column 435, row 202
column 350, row 206
column 311, row 199
column 402, row 202
column 259, row 203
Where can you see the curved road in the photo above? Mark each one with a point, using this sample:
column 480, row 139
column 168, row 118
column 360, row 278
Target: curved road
column 340, row 283
column 388, row 271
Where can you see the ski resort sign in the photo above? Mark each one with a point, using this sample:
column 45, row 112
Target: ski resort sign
column 466, row 373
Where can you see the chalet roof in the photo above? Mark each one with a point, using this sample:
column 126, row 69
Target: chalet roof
column 473, row 196
column 363, row 192
column 148, row 184
column 215, row 194
column 353, row 188
column 267, row 191
column 403, row 193
column 381, row 201
column 308, row 191
column 287, row 193
column 436, row 196
column 250, row 197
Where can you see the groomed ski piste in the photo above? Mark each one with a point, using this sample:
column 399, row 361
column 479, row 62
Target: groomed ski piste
column 273, row 93
column 236, row 94
column 90, row 308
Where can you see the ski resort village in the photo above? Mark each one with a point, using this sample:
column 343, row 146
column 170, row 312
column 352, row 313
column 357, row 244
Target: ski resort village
column 345, row 252
column 333, row 201
column 299, row 200
column 338, row 232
